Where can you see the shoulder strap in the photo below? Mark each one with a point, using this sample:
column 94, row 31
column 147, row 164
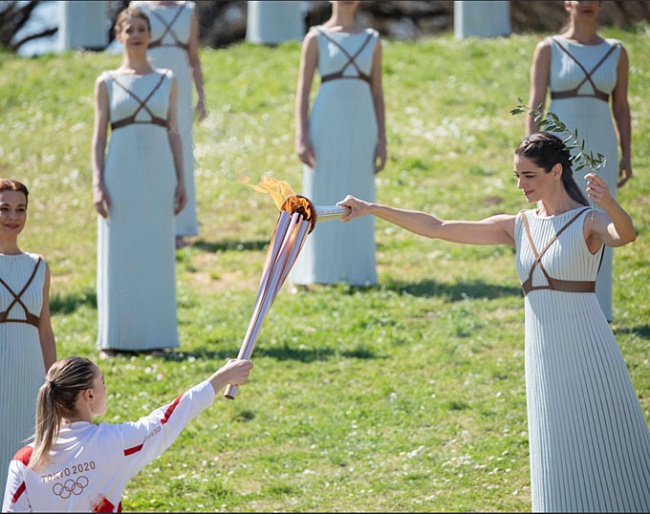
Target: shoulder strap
column 17, row 297
column 588, row 74
column 168, row 28
column 351, row 58
column 143, row 103
column 538, row 256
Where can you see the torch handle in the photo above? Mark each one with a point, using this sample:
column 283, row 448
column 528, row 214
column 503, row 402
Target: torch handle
column 269, row 287
column 231, row 391
column 330, row 212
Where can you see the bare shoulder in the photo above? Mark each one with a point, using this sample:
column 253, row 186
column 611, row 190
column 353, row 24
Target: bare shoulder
column 310, row 42
column 502, row 219
column 502, row 222
column 506, row 224
column 310, row 36
column 543, row 48
column 101, row 83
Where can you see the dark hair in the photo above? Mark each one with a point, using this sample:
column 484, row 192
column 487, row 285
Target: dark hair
column 130, row 12
column 7, row 184
column 546, row 150
column 56, row 400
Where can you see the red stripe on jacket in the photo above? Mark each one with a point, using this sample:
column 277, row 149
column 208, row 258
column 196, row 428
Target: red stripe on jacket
column 165, row 419
column 104, row 506
column 170, row 410
column 131, row 451
column 19, row 492
column 24, row 455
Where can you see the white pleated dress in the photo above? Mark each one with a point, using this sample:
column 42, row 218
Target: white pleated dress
column 136, row 275
column 589, row 441
column 343, row 130
column 170, row 35
column 582, row 78
column 22, row 371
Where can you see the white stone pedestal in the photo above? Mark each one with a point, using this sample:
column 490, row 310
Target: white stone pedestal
column 271, row 22
column 481, row 18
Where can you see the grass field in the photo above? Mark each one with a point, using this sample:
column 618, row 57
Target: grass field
column 408, row 396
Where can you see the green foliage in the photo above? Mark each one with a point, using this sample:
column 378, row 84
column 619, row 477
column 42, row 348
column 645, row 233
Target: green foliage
column 407, row 396
column 550, row 122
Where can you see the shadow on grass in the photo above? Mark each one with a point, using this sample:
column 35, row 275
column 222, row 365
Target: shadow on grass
column 280, row 353
column 455, row 292
column 231, row 246
column 69, row 303
column 642, row 331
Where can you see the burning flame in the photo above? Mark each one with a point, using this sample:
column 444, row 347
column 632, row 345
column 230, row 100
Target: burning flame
column 284, row 197
column 303, row 206
column 279, row 190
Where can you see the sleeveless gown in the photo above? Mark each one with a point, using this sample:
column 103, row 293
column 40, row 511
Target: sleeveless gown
column 581, row 82
column 136, row 274
column 22, row 370
column 589, row 440
column 343, row 130
column 170, row 34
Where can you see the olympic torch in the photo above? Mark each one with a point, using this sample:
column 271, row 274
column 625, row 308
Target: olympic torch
column 298, row 217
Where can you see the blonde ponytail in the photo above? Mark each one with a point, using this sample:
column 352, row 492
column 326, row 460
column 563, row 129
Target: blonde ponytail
column 56, row 400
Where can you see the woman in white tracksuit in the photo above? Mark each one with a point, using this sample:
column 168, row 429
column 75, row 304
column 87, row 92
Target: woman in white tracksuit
column 77, row 466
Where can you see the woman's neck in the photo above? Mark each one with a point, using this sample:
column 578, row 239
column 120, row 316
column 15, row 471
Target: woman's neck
column 556, row 206
column 135, row 64
column 343, row 20
column 583, row 33
column 9, row 246
column 75, row 419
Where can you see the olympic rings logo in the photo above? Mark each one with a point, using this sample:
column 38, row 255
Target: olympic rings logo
column 70, row 487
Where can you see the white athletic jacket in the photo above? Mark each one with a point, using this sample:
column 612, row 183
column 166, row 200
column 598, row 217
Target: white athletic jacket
column 91, row 464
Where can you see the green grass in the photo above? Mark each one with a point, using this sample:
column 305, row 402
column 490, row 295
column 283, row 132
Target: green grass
column 408, row 396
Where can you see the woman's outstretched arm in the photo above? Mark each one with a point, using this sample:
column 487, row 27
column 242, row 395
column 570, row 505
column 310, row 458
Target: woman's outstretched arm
column 497, row 229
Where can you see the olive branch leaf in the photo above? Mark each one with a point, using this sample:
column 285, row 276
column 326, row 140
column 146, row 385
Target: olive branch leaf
column 571, row 139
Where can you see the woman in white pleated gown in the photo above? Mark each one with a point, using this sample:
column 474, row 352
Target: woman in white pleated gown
column 137, row 192
column 174, row 46
column 342, row 144
column 583, row 71
column 588, row 436
column 27, row 345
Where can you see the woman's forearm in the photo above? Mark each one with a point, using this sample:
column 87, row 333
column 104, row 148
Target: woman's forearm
column 414, row 221
column 176, row 146
column 622, row 223
column 381, row 117
column 197, row 74
column 302, row 114
column 97, row 158
column 624, row 129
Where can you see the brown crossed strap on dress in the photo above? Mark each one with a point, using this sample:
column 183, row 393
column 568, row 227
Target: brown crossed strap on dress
column 351, row 60
column 573, row 93
column 168, row 30
column 555, row 284
column 30, row 319
column 143, row 105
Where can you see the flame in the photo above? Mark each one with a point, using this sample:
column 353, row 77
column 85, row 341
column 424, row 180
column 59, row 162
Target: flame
column 303, row 206
column 279, row 190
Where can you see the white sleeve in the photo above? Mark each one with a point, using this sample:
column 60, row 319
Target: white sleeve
column 16, row 499
column 151, row 435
